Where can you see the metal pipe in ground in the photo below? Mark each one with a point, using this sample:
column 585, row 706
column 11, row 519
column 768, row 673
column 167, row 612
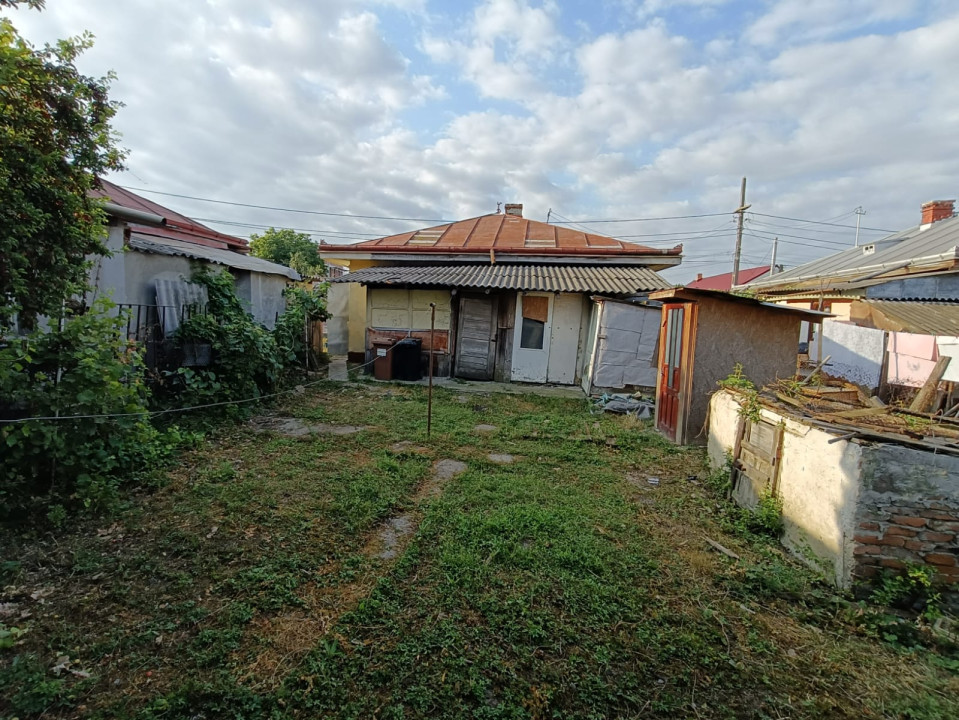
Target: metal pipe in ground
column 429, row 362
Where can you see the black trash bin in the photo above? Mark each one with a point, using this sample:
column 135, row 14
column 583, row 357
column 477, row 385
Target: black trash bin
column 406, row 359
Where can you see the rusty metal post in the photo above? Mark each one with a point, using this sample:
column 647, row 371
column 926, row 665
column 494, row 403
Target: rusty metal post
column 429, row 362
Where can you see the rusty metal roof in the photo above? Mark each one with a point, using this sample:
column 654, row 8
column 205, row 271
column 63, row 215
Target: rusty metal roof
column 923, row 318
column 624, row 280
column 503, row 233
column 177, row 227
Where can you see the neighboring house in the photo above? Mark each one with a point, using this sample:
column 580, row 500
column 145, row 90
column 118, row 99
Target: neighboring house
column 512, row 296
column 896, row 303
column 724, row 281
column 704, row 335
column 153, row 252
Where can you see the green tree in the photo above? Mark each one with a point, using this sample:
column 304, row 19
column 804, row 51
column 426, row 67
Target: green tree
column 55, row 139
column 290, row 248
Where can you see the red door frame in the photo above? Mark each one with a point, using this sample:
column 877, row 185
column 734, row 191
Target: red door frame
column 675, row 368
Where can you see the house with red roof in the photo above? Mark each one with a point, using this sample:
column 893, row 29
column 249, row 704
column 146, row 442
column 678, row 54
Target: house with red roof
column 513, row 298
column 153, row 252
column 724, row 281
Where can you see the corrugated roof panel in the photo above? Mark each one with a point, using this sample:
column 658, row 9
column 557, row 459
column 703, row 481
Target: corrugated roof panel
column 168, row 246
column 624, row 280
column 924, row 318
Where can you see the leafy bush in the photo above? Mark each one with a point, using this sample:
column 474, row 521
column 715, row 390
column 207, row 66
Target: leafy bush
column 749, row 396
column 302, row 306
column 245, row 355
column 87, row 368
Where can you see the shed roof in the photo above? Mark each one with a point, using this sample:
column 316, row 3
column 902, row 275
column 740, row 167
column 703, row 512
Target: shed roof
column 923, row 318
column 507, row 234
column 906, row 252
column 160, row 245
column 693, row 294
column 614, row 280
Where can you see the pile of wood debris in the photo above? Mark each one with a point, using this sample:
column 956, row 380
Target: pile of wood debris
column 843, row 407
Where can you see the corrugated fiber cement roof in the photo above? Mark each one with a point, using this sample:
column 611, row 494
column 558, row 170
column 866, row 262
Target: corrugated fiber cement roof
column 923, row 318
column 623, row 280
column 168, row 246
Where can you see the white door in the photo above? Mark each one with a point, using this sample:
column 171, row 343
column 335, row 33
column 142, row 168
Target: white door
column 564, row 344
column 534, row 314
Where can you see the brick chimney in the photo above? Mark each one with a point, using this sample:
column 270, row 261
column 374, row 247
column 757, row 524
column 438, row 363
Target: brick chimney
column 699, row 276
column 516, row 209
column 935, row 211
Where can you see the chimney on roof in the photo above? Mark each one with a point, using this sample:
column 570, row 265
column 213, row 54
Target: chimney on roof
column 935, row 211
column 699, row 276
column 514, row 209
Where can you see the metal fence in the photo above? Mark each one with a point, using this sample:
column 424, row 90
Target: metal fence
column 147, row 326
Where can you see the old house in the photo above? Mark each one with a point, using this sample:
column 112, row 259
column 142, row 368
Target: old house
column 704, row 334
column 895, row 302
column 153, row 252
column 512, row 295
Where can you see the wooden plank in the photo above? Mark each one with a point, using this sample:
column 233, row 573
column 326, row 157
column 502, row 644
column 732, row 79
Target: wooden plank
column 925, row 397
column 863, row 412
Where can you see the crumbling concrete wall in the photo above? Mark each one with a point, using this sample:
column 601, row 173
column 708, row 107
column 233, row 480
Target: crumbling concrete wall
column 817, row 484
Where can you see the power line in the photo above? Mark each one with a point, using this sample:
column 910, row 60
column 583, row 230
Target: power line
column 643, row 219
column 316, row 231
column 280, row 209
column 820, row 222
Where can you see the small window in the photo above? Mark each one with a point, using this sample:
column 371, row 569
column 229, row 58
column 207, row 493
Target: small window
column 531, row 334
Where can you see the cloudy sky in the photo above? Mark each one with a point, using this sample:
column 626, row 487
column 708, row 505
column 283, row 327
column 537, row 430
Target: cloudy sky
column 584, row 111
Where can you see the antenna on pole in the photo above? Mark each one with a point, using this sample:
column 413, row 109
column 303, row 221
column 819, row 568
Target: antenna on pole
column 741, row 211
column 859, row 213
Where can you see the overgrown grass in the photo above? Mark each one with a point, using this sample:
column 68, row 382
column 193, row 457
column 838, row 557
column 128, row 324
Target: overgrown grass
column 565, row 584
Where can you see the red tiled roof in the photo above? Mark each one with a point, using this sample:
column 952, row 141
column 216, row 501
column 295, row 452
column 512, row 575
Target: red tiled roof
column 501, row 233
column 724, row 282
column 177, row 227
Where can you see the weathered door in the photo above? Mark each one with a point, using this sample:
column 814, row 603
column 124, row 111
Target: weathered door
column 534, row 312
column 476, row 338
column 669, row 402
column 564, row 340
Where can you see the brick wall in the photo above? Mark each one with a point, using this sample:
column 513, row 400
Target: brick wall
column 893, row 532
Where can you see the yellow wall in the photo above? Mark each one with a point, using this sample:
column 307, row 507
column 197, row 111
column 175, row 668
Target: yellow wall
column 408, row 309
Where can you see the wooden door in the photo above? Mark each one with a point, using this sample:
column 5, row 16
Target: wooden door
column 670, row 400
column 476, row 338
column 531, row 337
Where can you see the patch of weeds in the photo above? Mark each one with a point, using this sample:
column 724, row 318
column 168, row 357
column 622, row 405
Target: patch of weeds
column 223, row 472
column 212, row 647
column 31, row 689
column 749, row 407
column 911, row 589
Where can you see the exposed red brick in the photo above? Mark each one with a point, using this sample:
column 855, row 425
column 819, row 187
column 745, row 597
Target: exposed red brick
column 909, row 520
column 868, row 526
column 904, row 532
column 867, row 538
column 893, row 541
column 938, row 515
column 866, row 550
column 893, row 563
column 937, row 537
column 916, row 545
column 866, row 571
column 940, row 559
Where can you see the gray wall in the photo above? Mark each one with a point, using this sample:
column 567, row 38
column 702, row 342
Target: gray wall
column 764, row 340
column 941, row 287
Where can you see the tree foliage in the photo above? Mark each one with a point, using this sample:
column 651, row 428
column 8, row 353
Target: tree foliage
column 290, row 248
column 55, row 138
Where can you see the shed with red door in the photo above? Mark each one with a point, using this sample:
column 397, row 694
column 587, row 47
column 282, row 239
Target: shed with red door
column 703, row 335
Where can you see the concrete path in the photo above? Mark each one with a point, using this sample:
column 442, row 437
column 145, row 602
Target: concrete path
column 337, row 369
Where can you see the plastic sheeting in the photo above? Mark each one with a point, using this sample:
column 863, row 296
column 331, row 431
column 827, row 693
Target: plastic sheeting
column 626, row 346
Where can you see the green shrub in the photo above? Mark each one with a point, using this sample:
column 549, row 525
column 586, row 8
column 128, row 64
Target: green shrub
column 302, row 306
column 87, row 368
column 245, row 355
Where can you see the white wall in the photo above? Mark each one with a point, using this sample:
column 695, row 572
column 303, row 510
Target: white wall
column 856, row 352
column 818, row 484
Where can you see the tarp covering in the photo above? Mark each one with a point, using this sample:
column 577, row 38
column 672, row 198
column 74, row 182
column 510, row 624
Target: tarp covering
column 626, row 347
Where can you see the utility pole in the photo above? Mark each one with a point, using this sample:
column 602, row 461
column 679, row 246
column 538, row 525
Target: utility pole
column 741, row 211
column 772, row 263
column 859, row 213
